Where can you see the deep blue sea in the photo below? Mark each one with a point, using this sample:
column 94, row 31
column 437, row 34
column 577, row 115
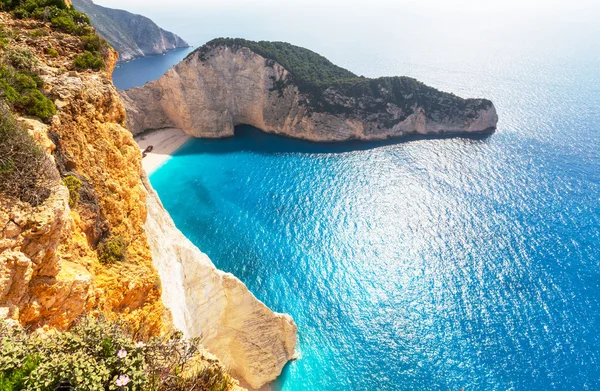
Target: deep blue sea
column 138, row 72
column 424, row 264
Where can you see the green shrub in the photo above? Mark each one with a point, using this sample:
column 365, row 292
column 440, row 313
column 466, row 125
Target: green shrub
column 5, row 34
column 96, row 354
column 35, row 103
column 37, row 33
column 25, row 170
column 23, row 82
column 20, row 86
column 7, row 91
column 88, row 60
column 64, row 23
column 93, row 43
column 20, row 58
column 69, row 21
column 14, row 380
column 20, row 13
column 112, row 250
column 51, row 52
column 74, row 185
column 21, row 89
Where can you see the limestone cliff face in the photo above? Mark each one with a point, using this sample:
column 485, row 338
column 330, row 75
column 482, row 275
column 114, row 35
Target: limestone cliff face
column 49, row 268
column 131, row 35
column 219, row 87
column 35, row 283
column 249, row 339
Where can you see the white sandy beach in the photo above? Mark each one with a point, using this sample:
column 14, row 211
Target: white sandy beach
column 165, row 143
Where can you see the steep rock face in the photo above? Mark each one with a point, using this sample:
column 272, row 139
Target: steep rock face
column 220, row 86
column 131, row 35
column 49, row 268
column 34, row 282
column 250, row 339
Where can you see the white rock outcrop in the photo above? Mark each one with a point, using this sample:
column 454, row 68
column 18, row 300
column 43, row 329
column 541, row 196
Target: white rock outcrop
column 247, row 337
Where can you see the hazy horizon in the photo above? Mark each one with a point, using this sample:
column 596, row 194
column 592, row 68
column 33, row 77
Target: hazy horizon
column 371, row 29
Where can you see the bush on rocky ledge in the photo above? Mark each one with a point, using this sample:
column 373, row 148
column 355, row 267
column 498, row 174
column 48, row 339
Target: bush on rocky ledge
column 20, row 86
column 88, row 60
column 112, row 250
column 25, row 170
column 62, row 17
column 100, row 355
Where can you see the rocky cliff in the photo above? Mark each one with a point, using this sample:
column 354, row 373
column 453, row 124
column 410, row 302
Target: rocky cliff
column 97, row 240
column 131, row 35
column 50, row 265
column 248, row 337
column 287, row 90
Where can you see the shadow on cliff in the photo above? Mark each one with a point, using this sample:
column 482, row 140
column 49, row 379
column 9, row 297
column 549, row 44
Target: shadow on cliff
column 249, row 138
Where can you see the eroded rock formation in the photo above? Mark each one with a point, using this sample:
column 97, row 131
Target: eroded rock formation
column 50, row 268
column 249, row 338
column 225, row 84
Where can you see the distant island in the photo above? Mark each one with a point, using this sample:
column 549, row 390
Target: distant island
column 288, row 90
column 131, row 35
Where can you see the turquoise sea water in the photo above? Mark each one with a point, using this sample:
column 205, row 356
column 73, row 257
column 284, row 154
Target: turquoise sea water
column 425, row 264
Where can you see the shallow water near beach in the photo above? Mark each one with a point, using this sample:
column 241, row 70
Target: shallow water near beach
column 427, row 264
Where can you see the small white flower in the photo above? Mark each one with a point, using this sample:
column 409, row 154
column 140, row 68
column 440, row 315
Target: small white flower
column 140, row 345
column 122, row 353
column 122, row 381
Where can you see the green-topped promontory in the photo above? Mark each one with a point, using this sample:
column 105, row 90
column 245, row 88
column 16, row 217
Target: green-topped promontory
column 289, row 90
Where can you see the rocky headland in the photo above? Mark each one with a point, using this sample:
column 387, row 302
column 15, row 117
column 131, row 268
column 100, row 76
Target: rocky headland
column 287, row 90
column 131, row 35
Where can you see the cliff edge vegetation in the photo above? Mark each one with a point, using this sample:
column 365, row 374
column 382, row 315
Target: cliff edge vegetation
column 100, row 355
column 288, row 90
column 314, row 74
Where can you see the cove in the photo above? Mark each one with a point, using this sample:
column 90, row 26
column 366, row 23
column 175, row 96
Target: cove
column 428, row 264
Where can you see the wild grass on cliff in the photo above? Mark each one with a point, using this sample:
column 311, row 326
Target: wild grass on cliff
column 25, row 170
column 65, row 19
column 100, row 355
